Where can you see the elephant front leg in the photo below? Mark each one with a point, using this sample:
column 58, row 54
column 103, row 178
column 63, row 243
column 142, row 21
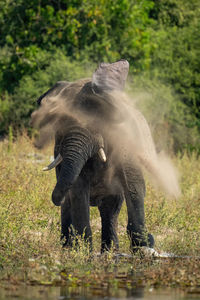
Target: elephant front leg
column 109, row 211
column 80, row 212
column 66, row 222
column 136, row 221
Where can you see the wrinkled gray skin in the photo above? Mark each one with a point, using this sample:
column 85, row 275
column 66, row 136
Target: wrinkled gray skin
column 84, row 180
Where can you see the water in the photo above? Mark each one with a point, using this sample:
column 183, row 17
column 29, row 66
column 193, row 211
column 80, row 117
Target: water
column 101, row 293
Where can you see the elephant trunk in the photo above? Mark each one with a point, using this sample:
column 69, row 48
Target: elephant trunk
column 76, row 148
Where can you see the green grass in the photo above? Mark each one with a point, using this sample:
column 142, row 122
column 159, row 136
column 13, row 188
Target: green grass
column 30, row 249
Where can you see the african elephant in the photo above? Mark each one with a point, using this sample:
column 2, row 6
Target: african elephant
column 91, row 168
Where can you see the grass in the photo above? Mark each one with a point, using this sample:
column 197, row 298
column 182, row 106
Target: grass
column 30, row 249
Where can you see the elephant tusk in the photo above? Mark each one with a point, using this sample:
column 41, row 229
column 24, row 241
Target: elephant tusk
column 102, row 155
column 54, row 163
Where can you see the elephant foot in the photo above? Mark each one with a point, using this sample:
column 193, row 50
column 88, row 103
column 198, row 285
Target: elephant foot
column 76, row 242
column 108, row 248
column 66, row 242
column 141, row 240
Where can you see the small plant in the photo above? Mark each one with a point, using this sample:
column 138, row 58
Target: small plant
column 10, row 138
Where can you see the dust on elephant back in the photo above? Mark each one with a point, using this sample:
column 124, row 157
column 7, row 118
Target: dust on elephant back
column 109, row 110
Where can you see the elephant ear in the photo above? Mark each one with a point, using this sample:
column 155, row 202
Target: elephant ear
column 110, row 77
column 54, row 91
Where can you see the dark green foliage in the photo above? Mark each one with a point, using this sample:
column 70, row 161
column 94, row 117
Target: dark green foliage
column 97, row 30
column 23, row 100
column 175, row 12
column 160, row 38
column 178, row 49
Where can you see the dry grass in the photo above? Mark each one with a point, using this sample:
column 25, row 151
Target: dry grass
column 30, row 247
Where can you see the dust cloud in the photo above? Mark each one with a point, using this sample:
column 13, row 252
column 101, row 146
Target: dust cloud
column 114, row 116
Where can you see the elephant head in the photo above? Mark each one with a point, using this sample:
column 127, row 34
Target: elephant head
column 75, row 148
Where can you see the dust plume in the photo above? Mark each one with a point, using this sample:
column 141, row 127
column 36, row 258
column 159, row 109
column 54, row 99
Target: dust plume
column 113, row 115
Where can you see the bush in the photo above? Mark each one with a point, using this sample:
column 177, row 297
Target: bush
column 5, row 113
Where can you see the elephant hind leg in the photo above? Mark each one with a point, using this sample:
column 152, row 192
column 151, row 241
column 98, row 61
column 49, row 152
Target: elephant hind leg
column 134, row 194
column 136, row 222
column 109, row 211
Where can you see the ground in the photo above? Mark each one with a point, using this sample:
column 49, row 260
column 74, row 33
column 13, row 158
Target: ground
column 30, row 250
